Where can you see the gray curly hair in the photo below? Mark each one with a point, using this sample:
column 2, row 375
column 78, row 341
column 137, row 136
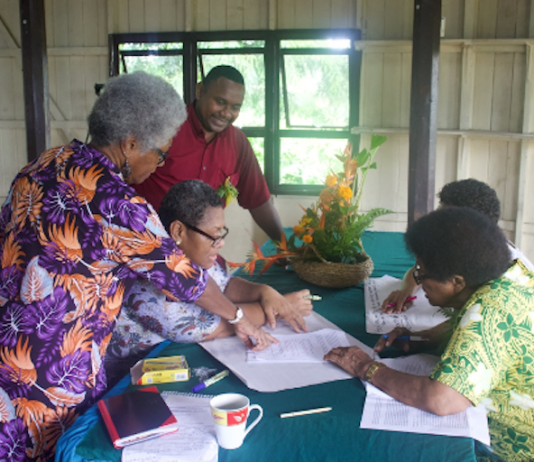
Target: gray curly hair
column 139, row 105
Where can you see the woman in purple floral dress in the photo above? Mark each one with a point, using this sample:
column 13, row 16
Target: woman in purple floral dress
column 74, row 237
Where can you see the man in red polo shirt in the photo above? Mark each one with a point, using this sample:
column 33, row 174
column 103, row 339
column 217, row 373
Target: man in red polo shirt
column 209, row 148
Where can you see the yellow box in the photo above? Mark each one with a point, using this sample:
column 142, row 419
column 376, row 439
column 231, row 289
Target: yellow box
column 161, row 370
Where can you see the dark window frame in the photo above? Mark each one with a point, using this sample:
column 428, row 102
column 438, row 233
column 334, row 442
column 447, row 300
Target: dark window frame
column 273, row 58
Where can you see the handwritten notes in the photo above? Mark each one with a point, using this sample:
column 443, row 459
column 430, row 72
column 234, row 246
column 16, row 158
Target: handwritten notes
column 301, row 348
column 420, row 316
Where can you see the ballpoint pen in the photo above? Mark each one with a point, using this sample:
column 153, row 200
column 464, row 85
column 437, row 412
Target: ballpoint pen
column 412, row 338
column 210, row 381
column 409, row 299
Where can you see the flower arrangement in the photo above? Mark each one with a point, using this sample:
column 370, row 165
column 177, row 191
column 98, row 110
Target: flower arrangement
column 330, row 230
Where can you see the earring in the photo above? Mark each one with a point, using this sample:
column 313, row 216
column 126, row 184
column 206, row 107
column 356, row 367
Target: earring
column 178, row 241
column 126, row 170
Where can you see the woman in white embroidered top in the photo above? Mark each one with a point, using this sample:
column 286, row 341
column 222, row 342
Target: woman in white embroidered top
column 193, row 215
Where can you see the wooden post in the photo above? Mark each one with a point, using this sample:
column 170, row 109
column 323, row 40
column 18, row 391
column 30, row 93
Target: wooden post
column 35, row 76
column 423, row 108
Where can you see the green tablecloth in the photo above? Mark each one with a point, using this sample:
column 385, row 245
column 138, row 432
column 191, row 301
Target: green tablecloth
column 330, row 436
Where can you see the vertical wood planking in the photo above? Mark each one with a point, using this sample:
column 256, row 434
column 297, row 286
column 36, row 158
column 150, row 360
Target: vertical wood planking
column 217, row 14
column 7, row 100
column 487, row 22
column 471, row 19
column 391, row 99
column 371, row 89
column 374, row 19
column 449, row 90
column 61, row 23
column 502, row 92
column 93, row 74
column 201, row 15
column 136, row 16
column 322, row 15
column 522, row 18
column 169, row 16
column 393, row 28
column 255, row 14
column 78, row 86
column 152, row 16
column 342, row 14
column 511, row 180
column 407, row 19
column 483, row 97
column 49, row 23
column 506, row 19
column 446, row 162
column 453, row 12
column 75, row 23
column 62, row 84
column 235, row 15
column 518, row 93
column 89, row 30
column 406, row 79
column 303, row 14
column 285, row 16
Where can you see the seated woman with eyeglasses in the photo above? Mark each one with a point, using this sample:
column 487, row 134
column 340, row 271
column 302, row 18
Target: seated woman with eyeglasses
column 193, row 215
column 487, row 347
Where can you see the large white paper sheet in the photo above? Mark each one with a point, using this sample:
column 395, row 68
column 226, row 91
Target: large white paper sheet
column 382, row 412
column 272, row 377
column 195, row 440
column 300, row 348
column 420, row 316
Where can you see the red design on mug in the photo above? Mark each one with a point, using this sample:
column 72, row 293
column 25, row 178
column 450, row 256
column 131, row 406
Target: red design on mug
column 237, row 417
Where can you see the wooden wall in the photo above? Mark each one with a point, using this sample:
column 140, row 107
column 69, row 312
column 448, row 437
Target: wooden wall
column 486, row 98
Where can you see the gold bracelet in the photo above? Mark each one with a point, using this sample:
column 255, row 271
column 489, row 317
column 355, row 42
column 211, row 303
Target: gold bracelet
column 371, row 371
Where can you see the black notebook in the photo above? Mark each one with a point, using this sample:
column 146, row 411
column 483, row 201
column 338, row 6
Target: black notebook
column 136, row 416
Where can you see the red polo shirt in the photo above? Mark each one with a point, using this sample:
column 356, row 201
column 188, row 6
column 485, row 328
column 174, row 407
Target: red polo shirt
column 229, row 154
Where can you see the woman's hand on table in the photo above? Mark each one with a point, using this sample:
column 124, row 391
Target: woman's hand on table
column 275, row 304
column 299, row 303
column 351, row 359
column 392, row 338
column 254, row 337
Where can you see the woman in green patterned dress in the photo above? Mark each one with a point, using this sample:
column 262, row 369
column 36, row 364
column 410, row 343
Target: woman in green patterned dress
column 488, row 344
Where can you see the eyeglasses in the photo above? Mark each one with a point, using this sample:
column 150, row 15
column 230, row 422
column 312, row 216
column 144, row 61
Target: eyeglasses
column 216, row 240
column 162, row 155
column 418, row 277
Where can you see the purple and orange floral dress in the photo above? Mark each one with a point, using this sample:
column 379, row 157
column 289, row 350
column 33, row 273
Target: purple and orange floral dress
column 74, row 237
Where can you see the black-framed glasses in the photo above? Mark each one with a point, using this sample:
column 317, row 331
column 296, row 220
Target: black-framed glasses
column 216, row 240
column 418, row 277
column 162, row 155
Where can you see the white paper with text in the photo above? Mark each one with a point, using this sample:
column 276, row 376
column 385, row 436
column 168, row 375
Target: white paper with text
column 382, row 412
column 195, row 440
column 420, row 316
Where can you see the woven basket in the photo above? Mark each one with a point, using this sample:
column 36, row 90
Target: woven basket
column 333, row 275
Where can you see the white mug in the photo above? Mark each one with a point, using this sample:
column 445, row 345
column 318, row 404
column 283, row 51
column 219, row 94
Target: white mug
column 230, row 412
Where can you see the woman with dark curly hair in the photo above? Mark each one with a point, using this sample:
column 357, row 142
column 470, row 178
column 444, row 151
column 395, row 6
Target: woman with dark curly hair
column 488, row 353
column 464, row 193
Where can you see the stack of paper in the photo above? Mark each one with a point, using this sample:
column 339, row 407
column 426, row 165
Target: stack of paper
column 382, row 412
column 420, row 316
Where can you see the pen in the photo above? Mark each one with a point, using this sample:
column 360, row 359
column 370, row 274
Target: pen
column 412, row 338
column 409, row 299
column 313, row 297
column 309, row 411
column 210, row 381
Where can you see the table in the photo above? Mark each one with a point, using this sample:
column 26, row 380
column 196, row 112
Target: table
column 331, row 436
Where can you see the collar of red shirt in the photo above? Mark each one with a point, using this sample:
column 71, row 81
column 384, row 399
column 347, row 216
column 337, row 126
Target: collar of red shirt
column 198, row 129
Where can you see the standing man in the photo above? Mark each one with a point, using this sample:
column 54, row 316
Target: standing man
column 209, row 148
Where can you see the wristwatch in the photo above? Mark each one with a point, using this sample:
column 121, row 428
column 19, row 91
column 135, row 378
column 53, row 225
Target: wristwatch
column 371, row 371
column 238, row 316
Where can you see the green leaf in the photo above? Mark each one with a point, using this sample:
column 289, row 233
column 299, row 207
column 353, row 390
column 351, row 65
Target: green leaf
column 377, row 140
column 507, row 336
column 502, row 326
column 373, row 166
column 511, row 433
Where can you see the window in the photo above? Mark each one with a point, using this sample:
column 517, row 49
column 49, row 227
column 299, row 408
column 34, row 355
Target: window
column 302, row 91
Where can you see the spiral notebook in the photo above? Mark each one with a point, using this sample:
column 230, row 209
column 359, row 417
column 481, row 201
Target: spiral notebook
column 195, row 440
column 137, row 416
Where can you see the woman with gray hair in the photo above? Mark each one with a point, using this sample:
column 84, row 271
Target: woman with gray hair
column 74, row 237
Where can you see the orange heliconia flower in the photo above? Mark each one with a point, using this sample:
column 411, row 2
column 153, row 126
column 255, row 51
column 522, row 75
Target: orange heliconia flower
column 307, row 239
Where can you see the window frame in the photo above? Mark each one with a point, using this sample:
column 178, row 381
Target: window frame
column 273, row 59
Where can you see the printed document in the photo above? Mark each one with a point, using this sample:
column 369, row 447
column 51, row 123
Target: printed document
column 276, row 376
column 195, row 440
column 303, row 348
column 382, row 412
column 420, row 316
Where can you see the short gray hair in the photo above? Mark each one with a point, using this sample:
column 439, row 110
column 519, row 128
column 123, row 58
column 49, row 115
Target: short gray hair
column 139, row 105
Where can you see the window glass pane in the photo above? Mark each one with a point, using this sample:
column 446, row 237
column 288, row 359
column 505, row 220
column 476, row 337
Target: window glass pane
column 252, row 66
column 308, row 161
column 168, row 67
column 151, row 46
column 328, row 43
column 317, row 92
column 258, row 146
column 232, row 44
